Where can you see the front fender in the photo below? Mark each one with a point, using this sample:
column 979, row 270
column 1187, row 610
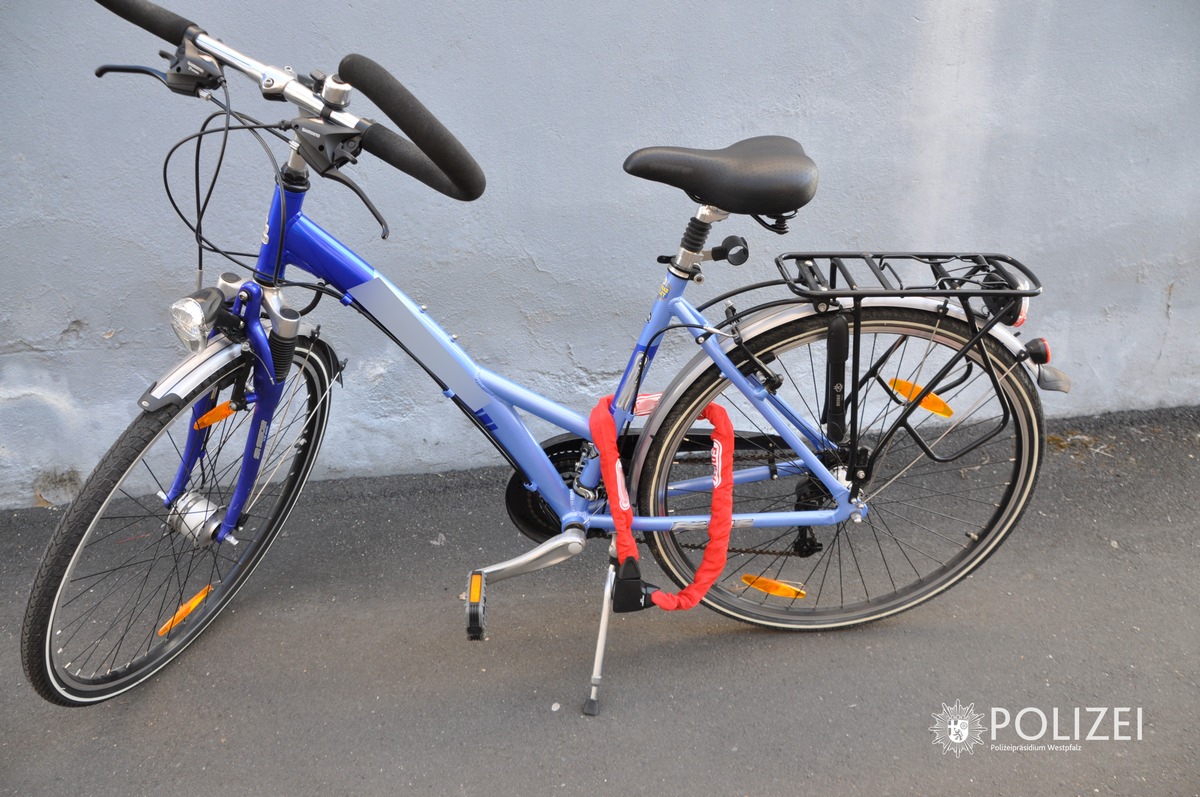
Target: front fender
column 190, row 373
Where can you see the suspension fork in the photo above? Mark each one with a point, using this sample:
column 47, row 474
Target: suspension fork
column 268, row 387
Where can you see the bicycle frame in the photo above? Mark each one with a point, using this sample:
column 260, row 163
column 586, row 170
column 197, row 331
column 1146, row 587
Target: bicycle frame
column 493, row 402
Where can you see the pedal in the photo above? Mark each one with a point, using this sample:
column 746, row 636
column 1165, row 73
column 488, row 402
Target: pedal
column 551, row 552
column 630, row 593
column 476, row 602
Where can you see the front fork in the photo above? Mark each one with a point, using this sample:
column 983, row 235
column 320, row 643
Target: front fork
column 271, row 361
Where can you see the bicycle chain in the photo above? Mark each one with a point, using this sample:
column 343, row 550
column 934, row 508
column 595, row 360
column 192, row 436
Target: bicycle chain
column 763, row 457
column 691, row 546
column 752, row 551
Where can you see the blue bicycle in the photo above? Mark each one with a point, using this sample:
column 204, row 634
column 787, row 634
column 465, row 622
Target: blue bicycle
column 884, row 429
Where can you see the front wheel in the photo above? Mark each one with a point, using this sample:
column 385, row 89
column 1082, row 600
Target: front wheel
column 126, row 584
column 944, row 489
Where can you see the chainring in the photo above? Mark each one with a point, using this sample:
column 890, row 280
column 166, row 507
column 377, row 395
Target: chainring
column 528, row 511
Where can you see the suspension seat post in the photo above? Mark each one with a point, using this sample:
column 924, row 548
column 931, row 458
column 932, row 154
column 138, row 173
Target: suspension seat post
column 695, row 236
column 686, row 264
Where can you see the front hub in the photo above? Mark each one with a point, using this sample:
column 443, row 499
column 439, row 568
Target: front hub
column 195, row 517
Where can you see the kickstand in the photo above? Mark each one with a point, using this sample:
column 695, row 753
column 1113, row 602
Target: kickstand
column 591, row 706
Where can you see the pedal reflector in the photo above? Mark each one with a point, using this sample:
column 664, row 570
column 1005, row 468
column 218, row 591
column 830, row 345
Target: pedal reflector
column 781, row 589
column 476, row 597
column 215, row 415
column 932, row 402
column 183, row 611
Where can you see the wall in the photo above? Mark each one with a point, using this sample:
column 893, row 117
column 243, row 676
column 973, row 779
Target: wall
column 1065, row 134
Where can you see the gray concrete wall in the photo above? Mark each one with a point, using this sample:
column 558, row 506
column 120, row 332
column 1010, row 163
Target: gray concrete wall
column 1065, row 134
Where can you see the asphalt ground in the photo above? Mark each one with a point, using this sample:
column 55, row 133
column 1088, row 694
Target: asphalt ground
column 343, row 666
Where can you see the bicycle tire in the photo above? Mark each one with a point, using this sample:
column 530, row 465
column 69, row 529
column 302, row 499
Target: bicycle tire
column 928, row 524
column 104, row 613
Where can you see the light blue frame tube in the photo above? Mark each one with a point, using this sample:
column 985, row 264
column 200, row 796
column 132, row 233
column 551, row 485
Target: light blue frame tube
column 494, row 402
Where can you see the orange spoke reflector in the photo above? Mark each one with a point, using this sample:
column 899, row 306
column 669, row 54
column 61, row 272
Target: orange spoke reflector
column 930, row 402
column 782, row 589
column 184, row 610
column 215, row 415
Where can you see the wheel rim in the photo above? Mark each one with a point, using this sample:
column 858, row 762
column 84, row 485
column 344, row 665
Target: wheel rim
column 929, row 523
column 138, row 588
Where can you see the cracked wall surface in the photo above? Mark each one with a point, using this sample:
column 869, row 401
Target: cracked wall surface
column 1063, row 134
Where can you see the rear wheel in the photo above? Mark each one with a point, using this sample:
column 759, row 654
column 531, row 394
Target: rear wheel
column 124, row 585
column 943, row 492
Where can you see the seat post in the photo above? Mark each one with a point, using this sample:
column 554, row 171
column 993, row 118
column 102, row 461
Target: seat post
column 686, row 264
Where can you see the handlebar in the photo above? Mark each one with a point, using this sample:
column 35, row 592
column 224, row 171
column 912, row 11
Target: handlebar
column 162, row 23
column 433, row 155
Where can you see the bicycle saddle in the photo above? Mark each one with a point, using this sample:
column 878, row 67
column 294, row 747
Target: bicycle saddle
column 765, row 175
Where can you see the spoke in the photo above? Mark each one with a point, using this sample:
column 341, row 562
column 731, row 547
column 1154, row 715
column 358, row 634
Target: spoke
column 929, row 530
column 154, row 510
column 854, row 560
column 961, row 494
column 89, row 649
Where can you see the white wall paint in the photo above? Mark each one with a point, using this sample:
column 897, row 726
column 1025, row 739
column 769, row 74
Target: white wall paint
column 1064, row 134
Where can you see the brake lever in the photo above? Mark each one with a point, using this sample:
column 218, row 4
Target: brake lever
column 338, row 177
column 131, row 69
column 188, row 71
column 324, row 148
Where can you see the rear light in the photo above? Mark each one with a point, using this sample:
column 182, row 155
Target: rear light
column 1001, row 303
column 1039, row 350
column 1022, row 313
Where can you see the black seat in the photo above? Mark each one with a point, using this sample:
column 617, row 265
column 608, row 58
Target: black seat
column 765, row 176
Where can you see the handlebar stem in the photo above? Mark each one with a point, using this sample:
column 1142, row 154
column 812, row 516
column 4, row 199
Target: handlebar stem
column 275, row 81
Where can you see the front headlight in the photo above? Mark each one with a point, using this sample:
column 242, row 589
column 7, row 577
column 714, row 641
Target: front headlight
column 192, row 317
column 187, row 319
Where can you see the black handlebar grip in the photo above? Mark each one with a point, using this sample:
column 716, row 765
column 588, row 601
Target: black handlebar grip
column 433, row 156
column 162, row 23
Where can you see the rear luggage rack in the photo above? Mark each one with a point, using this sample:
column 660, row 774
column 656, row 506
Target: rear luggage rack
column 821, row 276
